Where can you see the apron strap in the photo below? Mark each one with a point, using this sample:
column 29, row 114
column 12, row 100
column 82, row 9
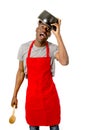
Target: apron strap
column 47, row 49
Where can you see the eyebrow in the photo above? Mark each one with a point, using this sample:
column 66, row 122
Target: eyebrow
column 45, row 25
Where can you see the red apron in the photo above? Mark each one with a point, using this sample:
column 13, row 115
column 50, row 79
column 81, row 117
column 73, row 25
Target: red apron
column 42, row 101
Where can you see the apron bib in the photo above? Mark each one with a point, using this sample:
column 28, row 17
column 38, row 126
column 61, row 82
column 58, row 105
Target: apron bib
column 42, row 101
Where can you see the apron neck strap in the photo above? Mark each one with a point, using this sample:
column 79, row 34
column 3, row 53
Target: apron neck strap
column 47, row 49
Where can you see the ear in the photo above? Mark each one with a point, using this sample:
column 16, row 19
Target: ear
column 36, row 29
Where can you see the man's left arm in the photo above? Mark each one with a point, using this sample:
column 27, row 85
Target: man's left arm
column 61, row 55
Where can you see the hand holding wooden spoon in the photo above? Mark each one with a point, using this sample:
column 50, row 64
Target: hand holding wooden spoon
column 12, row 118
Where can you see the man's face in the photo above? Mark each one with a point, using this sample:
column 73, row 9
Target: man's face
column 42, row 32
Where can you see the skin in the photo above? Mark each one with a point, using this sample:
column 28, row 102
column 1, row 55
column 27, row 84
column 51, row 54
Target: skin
column 43, row 32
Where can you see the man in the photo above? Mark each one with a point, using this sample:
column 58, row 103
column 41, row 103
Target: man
column 36, row 62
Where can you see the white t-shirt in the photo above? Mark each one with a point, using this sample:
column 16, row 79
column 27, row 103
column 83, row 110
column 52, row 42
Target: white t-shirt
column 37, row 52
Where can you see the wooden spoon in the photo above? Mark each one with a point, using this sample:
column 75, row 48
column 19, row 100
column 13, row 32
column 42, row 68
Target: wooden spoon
column 12, row 118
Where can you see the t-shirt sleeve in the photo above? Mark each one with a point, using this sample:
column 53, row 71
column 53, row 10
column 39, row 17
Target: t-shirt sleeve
column 55, row 50
column 20, row 53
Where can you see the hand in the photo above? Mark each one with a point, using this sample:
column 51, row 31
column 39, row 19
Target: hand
column 14, row 102
column 57, row 25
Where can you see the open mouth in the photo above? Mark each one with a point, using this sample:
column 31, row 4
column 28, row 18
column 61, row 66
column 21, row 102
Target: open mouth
column 43, row 35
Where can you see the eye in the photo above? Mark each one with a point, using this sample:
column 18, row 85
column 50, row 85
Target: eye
column 48, row 29
column 42, row 26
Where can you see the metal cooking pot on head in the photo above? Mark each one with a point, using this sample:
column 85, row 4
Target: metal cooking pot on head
column 48, row 19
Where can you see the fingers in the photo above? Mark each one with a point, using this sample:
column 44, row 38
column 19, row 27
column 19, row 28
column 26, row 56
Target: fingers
column 14, row 102
column 57, row 24
column 59, row 21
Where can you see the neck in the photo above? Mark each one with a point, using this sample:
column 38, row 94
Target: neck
column 39, row 44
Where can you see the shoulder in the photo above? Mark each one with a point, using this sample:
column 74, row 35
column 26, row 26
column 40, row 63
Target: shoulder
column 23, row 50
column 53, row 47
column 25, row 46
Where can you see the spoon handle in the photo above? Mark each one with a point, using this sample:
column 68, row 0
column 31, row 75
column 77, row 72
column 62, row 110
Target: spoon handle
column 13, row 110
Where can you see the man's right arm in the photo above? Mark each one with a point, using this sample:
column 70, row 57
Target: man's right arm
column 19, row 79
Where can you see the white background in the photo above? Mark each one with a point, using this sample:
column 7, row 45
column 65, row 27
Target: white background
column 18, row 21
